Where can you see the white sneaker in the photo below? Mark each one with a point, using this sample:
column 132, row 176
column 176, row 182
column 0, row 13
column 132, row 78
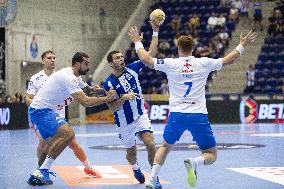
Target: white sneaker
column 190, row 166
column 154, row 184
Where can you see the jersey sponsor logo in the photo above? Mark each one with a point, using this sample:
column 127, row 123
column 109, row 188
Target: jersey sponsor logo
column 187, row 70
column 128, row 76
column 4, row 116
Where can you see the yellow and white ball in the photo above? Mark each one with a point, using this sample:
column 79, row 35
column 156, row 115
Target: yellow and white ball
column 157, row 16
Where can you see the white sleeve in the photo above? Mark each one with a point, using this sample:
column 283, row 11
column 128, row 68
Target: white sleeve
column 82, row 84
column 72, row 85
column 212, row 64
column 163, row 65
column 32, row 89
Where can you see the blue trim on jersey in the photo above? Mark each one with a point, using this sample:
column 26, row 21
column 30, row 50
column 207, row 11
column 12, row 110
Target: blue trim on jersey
column 128, row 112
column 116, row 119
column 136, row 66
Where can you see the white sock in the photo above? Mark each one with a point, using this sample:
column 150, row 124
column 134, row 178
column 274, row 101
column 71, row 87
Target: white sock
column 200, row 160
column 86, row 163
column 155, row 171
column 135, row 166
column 47, row 163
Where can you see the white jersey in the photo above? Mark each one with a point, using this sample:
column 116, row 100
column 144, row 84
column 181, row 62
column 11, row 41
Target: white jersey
column 56, row 91
column 187, row 78
column 36, row 82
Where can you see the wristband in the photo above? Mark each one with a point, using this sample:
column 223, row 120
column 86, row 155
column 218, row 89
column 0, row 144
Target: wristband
column 138, row 45
column 155, row 34
column 240, row 49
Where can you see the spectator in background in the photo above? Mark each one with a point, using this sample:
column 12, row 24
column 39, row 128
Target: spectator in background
column 19, row 97
column 237, row 4
column 234, row 14
column 164, row 87
column 221, row 21
column 224, row 37
column 193, row 22
column 257, row 6
column 13, row 99
column 196, row 37
column 176, row 23
column 8, row 99
column 244, row 12
column 279, row 27
column 164, row 47
column 152, row 90
column 282, row 87
column 212, row 21
column 250, row 80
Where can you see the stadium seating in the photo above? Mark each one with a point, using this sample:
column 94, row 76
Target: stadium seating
column 185, row 9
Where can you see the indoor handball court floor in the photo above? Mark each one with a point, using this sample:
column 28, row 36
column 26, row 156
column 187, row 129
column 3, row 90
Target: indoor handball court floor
column 250, row 157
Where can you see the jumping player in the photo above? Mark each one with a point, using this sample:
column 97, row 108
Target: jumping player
column 187, row 77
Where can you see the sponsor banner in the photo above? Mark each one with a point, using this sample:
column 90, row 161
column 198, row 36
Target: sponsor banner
column 111, row 175
column 263, row 111
column 245, row 110
column 13, row 116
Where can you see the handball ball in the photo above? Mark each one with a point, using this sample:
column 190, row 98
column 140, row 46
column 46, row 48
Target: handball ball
column 157, row 16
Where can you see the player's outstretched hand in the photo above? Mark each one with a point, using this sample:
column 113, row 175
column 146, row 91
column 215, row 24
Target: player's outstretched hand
column 155, row 26
column 134, row 34
column 111, row 95
column 248, row 38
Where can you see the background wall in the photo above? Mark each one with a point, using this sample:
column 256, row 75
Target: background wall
column 65, row 26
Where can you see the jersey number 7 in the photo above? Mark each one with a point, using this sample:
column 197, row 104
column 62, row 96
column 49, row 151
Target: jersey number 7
column 189, row 84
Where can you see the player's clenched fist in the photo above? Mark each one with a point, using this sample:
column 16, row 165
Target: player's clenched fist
column 111, row 95
column 129, row 96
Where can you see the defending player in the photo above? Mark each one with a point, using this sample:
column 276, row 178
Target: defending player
column 37, row 80
column 59, row 90
column 130, row 115
column 187, row 77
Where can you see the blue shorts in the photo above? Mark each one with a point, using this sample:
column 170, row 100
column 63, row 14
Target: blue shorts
column 46, row 120
column 196, row 123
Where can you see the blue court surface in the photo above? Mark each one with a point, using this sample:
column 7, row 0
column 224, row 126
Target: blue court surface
column 249, row 156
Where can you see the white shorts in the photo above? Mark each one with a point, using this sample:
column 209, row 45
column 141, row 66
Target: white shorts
column 127, row 133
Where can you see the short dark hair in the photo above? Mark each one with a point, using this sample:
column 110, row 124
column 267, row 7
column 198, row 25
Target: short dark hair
column 109, row 56
column 185, row 43
column 43, row 55
column 78, row 57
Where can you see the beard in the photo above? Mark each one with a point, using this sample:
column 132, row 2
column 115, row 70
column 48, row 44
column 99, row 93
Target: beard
column 81, row 72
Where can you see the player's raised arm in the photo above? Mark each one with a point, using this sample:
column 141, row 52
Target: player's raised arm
column 154, row 43
column 142, row 54
column 235, row 54
column 94, row 101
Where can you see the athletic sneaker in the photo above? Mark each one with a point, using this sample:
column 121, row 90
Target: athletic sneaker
column 154, row 184
column 92, row 172
column 190, row 166
column 40, row 177
column 139, row 175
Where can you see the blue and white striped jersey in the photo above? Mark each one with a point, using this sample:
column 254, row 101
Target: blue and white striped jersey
column 127, row 82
